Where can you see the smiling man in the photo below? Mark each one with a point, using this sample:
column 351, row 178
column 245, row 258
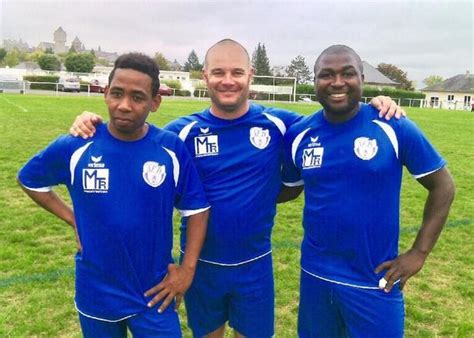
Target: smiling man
column 238, row 150
column 124, row 183
column 350, row 162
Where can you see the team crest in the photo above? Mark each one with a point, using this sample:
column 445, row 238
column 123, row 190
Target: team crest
column 153, row 173
column 365, row 148
column 259, row 137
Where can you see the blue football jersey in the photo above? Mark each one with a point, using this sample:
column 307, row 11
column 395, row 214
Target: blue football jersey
column 239, row 162
column 123, row 194
column 352, row 175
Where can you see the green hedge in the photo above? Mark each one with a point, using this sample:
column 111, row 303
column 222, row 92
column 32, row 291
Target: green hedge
column 305, row 89
column 392, row 92
column 182, row 93
column 42, row 78
column 175, row 84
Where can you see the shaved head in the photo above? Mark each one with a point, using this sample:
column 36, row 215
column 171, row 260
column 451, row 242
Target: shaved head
column 224, row 42
column 338, row 50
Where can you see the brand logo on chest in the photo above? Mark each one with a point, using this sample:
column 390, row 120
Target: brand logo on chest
column 206, row 145
column 95, row 178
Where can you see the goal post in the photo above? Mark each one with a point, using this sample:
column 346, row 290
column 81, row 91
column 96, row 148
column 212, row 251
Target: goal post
column 273, row 88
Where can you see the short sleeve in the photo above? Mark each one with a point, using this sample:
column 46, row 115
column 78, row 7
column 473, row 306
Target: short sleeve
column 416, row 152
column 47, row 168
column 190, row 197
column 291, row 175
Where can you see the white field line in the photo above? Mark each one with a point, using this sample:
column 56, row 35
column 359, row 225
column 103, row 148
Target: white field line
column 23, row 109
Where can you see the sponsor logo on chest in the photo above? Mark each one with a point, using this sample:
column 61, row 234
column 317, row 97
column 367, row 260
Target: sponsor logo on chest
column 95, row 178
column 206, row 144
column 313, row 155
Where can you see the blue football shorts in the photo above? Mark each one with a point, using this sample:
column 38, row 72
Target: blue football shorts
column 142, row 325
column 329, row 309
column 244, row 295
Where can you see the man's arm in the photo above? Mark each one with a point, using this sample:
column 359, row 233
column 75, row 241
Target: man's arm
column 387, row 107
column 51, row 202
column 289, row 193
column 179, row 278
column 441, row 189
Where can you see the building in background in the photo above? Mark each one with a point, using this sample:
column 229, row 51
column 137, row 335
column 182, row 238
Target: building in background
column 457, row 92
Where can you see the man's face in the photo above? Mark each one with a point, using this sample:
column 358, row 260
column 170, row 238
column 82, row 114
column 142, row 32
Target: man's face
column 228, row 76
column 129, row 100
column 338, row 83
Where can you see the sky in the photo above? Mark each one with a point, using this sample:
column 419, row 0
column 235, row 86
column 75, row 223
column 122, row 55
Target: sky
column 421, row 37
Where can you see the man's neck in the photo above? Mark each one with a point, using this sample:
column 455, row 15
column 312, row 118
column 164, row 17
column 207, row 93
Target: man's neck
column 230, row 115
column 342, row 117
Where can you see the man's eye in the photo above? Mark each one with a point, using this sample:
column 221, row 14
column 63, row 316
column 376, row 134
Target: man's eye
column 137, row 98
column 116, row 94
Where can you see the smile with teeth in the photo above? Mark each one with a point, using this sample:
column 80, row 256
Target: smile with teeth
column 338, row 96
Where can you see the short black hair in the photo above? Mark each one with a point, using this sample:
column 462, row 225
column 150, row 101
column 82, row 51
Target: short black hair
column 141, row 63
column 339, row 49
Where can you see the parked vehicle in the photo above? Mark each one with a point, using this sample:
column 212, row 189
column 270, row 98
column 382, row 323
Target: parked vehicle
column 69, row 84
column 97, row 86
column 165, row 90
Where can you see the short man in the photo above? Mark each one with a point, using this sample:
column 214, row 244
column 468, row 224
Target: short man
column 238, row 150
column 124, row 183
column 350, row 162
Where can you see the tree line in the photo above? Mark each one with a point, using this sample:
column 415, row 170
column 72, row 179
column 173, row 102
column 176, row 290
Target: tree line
column 85, row 62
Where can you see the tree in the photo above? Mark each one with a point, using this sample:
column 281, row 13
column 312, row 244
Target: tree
column 260, row 61
column 12, row 58
column 299, row 69
column 163, row 63
column 80, row 63
column 432, row 80
column 49, row 62
column 192, row 63
column 3, row 53
column 395, row 74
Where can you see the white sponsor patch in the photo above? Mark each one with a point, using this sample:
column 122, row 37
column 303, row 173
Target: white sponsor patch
column 153, row 173
column 206, row 145
column 365, row 148
column 260, row 137
column 312, row 157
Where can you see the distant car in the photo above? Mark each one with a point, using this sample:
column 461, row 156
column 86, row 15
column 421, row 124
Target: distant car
column 165, row 90
column 305, row 99
column 97, row 86
column 69, row 84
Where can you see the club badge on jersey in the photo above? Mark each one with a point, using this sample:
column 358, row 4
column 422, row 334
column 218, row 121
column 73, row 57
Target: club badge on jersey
column 365, row 148
column 153, row 173
column 260, row 137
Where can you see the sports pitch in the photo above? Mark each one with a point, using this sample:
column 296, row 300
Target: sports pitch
column 36, row 249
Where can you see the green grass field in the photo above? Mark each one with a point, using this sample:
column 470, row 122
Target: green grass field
column 36, row 249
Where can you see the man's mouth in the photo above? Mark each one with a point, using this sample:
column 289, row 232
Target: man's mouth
column 338, row 95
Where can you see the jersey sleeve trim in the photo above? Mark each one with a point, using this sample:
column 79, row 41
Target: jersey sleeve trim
column 294, row 184
column 390, row 134
column 183, row 134
column 187, row 213
column 296, row 143
column 42, row 189
column 279, row 123
column 75, row 159
column 428, row 173
column 176, row 167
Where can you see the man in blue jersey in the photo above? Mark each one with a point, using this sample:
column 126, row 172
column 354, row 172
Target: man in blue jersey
column 124, row 183
column 238, row 150
column 350, row 162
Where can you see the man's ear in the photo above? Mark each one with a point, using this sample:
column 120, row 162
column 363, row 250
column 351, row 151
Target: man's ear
column 205, row 76
column 155, row 103
column 363, row 77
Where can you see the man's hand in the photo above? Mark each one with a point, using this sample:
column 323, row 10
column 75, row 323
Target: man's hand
column 84, row 124
column 387, row 107
column 175, row 284
column 401, row 268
